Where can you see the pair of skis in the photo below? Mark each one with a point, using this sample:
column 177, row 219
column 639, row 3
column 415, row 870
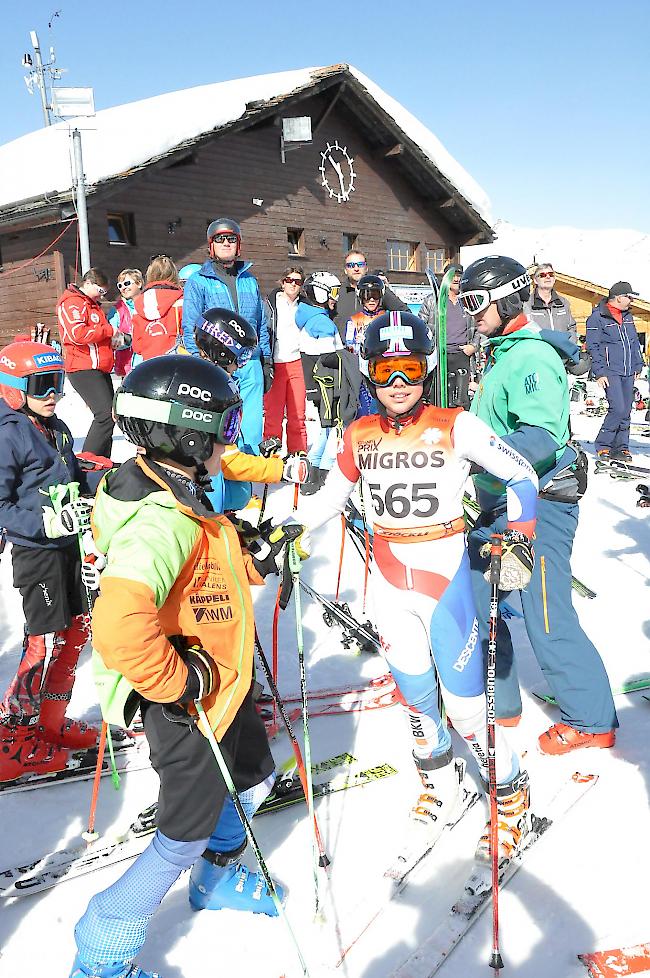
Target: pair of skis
column 470, row 903
column 78, row 860
column 440, row 395
column 618, row 469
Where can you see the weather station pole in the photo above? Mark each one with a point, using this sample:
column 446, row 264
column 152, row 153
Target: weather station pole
column 40, row 77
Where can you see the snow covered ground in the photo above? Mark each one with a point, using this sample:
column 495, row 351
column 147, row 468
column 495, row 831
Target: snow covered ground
column 582, row 888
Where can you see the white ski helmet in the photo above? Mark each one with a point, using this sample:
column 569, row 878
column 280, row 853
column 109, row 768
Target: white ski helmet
column 321, row 286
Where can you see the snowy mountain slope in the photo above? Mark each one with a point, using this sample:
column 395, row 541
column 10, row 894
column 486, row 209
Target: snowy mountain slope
column 599, row 256
column 585, row 889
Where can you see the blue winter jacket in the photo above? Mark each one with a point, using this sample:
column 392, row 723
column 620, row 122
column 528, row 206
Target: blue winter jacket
column 206, row 289
column 314, row 321
column 30, row 465
column 614, row 349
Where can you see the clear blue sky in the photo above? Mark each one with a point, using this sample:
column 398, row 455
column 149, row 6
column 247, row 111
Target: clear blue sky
column 545, row 104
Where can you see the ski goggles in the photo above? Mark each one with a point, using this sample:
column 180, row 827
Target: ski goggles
column 39, row 386
column 412, row 369
column 334, row 292
column 224, row 425
column 477, row 300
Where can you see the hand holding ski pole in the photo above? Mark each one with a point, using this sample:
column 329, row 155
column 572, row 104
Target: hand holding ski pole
column 73, row 518
column 517, row 561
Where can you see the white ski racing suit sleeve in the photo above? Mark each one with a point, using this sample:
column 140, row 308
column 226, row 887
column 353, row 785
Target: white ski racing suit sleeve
column 475, row 441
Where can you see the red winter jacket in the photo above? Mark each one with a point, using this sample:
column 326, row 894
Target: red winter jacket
column 86, row 333
column 157, row 318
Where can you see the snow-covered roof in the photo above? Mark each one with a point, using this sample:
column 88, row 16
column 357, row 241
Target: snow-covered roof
column 119, row 139
column 598, row 256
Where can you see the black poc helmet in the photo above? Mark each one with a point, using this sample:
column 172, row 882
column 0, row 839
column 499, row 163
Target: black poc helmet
column 177, row 407
column 223, row 225
column 495, row 278
column 224, row 337
column 398, row 334
column 368, row 284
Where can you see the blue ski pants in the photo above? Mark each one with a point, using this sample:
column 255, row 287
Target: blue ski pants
column 569, row 660
column 615, row 430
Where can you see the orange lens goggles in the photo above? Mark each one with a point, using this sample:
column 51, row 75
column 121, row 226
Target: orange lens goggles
column 412, row 369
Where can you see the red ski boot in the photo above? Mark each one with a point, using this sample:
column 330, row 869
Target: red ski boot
column 23, row 753
column 54, row 727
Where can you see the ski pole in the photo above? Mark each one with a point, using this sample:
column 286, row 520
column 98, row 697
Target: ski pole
column 338, row 577
column 90, row 835
column 323, row 859
column 234, row 797
column 496, row 961
column 294, row 568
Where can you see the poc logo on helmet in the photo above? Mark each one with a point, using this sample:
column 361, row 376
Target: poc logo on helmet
column 235, row 325
column 201, row 395
column 7, row 362
column 194, row 415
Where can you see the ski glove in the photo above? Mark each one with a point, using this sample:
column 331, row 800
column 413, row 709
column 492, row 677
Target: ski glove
column 297, row 468
column 201, row 674
column 517, row 561
column 73, row 518
column 271, row 561
column 269, row 372
column 270, row 446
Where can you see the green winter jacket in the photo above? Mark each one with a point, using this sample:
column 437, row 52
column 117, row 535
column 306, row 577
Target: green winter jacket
column 524, row 397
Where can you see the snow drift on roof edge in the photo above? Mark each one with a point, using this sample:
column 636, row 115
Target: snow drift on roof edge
column 118, row 141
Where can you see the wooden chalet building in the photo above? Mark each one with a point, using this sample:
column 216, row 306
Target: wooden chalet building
column 158, row 171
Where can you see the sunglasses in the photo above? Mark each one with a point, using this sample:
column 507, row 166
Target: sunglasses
column 225, row 239
column 546, row 275
column 356, row 264
column 384, row 372
column 41, row 386
column 126, row 284
column 156, row 257
column 292, row 281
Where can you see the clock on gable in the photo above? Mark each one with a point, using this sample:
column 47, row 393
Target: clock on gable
column 337, row 171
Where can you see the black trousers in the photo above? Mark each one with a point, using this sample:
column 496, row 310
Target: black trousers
column 95, row 388
column 192, row 791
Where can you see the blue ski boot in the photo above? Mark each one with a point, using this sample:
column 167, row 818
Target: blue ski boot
column 219, row 882
column 120, row 969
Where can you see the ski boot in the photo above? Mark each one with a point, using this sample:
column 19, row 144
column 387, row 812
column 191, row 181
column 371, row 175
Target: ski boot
column 513, row 804
column 54, row 727
column 623, row 455
column 120, row 969
column 22, row 752
column 439, row 805
column 562, row 738
column 219, row 882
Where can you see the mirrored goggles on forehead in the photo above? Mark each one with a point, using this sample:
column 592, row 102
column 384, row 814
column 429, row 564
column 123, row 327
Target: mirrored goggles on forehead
column 412, row 369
